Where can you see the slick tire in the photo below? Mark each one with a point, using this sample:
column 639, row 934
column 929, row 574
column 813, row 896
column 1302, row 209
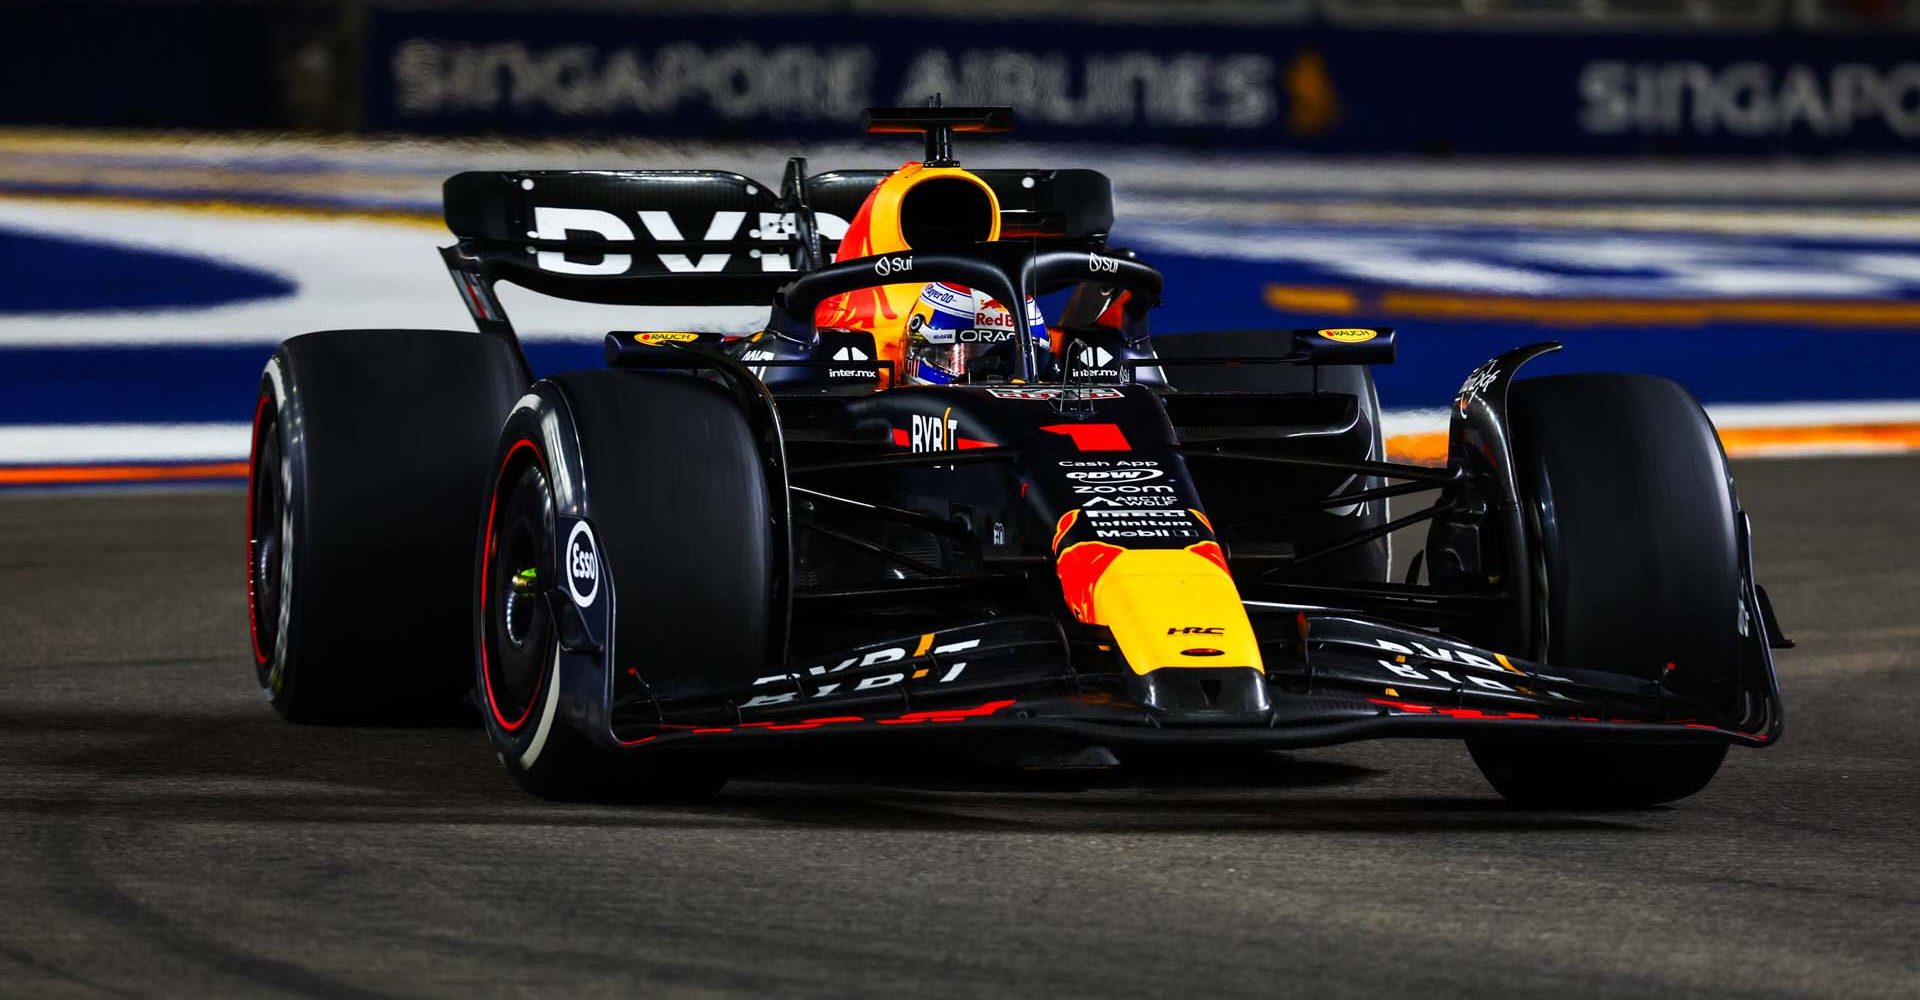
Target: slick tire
column 368, row 461
column 666, row 472
column 1633, row 516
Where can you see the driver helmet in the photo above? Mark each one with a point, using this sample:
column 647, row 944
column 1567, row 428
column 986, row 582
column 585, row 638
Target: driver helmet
column 956, row 334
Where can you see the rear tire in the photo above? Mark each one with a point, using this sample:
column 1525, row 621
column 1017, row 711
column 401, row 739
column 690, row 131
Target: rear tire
column 369, row 453
column 667, row 473
column 1633, row 515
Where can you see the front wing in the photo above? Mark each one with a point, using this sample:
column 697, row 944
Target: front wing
column 1330, row 677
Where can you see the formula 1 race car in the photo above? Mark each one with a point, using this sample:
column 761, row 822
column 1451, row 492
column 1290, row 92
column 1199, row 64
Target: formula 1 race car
column 1070, row 540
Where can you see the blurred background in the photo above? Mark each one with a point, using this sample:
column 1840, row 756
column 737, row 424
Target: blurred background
column 1726, row 192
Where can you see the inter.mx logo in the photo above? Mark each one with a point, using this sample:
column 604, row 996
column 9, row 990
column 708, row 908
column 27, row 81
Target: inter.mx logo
column 592, row 224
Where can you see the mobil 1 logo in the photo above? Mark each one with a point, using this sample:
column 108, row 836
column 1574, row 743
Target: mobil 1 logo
column 581, row 564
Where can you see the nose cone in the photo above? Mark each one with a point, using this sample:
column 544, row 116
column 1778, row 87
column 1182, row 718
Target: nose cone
column 1177, row 619
column 1201, row 696
column 1174, row 609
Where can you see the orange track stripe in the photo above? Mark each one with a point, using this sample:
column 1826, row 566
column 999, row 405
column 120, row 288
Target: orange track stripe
column 1335, row 300
column 1879, row 437
column 1418, row 449
column 1430, row 448
column 61, row 475
column 1311, row 299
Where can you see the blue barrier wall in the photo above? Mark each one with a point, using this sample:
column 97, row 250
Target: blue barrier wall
column 1308, row 88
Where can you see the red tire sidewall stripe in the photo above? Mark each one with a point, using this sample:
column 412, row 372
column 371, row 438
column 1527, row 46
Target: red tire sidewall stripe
column 253, row 585
column 486, row 571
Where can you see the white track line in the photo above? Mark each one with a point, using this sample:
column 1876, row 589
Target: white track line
column 349, row 273
column 59, row 444
column 1869, row 411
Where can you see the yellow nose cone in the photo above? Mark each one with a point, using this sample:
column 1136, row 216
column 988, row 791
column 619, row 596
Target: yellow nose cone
column 1170, row 608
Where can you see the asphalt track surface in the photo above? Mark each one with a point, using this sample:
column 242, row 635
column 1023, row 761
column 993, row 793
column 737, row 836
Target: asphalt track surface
column 163, row 834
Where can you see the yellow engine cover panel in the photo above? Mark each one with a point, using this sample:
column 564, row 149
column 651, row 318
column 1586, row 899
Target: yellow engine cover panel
column 1174, row 608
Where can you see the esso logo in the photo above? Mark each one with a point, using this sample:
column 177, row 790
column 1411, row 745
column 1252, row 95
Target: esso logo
column 1102, row 265
column 884, row 266
column 582, row 565
column 1116, row 475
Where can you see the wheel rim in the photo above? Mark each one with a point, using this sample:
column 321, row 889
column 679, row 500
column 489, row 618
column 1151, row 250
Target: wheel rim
column 267, row 543
column 518, row 632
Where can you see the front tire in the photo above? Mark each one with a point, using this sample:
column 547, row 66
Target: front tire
column 662, row 474
column 1632, row 513
column 520, row 654
column 1595, row 776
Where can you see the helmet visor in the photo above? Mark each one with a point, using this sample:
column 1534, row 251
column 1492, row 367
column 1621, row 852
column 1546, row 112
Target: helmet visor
column 987, row 349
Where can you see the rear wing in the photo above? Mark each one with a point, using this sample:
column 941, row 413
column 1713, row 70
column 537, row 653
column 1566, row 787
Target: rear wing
column 699, row 237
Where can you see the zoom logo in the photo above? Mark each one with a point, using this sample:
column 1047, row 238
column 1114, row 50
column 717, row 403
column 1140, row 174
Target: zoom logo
column 1102, row 265
column 884, row 266
column 583, row 565
column 1085, row 488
